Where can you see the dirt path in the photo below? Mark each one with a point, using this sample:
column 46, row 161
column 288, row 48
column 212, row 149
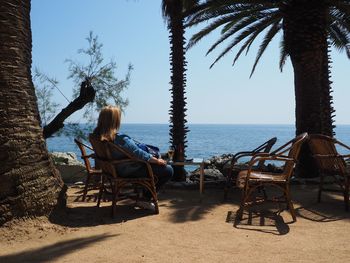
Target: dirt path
column 186, row 230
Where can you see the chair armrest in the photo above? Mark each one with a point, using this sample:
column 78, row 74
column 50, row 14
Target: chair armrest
column 92, row 155
column 328, row 156
column 342, row 144
column 267, row 157
column 239, row 155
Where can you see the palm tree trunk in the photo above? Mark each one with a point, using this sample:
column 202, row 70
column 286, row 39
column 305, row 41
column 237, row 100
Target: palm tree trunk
column 305, row 35
column 29, row 183
column 306, row 42
column 178, row 129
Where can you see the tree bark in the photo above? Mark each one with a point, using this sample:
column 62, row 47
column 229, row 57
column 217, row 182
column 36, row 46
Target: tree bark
column 29, row 183
column 304, row 25
column 178, row 129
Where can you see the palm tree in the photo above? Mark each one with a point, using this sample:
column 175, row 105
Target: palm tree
column 29, row 183
column 173, row 13
column 309, row 28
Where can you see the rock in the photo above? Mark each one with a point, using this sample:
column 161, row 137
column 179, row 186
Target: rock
column 65, row 158
column 72, row 170
column 218, row 162
column 210, row 174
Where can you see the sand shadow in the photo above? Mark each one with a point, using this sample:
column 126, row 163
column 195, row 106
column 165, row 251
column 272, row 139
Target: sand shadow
column 330, row 209
column 55, row 251
column 304, row 198
column 189, row 205
column 90, row 215
column 265, row 221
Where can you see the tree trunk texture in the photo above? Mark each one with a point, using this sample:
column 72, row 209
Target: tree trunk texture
column 327, row 110
column 305, row 36
column 178, row 128
column 29, row 183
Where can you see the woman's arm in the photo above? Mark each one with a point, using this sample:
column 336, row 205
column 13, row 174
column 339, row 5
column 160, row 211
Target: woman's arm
column 129, row 144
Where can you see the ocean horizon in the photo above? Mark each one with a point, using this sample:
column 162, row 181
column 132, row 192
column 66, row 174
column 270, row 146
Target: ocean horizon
column 204, row 140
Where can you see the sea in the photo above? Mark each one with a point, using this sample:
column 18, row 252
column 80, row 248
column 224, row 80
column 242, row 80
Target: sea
column 204, row 140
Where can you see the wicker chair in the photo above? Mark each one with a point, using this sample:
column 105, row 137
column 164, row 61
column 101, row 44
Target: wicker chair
column 331, row 163
column 251, row 180
column 104, row 152
column 94, row 175
column 232, row 168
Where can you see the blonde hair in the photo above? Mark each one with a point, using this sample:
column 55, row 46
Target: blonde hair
column 108, row 123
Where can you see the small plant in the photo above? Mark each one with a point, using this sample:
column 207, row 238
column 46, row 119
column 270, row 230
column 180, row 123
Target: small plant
column 96, row 86
column 101, row 76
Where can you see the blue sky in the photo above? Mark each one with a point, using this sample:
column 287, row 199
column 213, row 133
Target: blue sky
column 134, row 32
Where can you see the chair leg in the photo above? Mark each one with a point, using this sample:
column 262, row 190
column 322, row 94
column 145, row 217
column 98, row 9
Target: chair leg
column 346, row 193
column 320, row 188
column 240, row 210
column 290, row 204
column 153, row 191
column 100, row 191
column 88, row 178
column 227, row 185
column 114, row 198
column 156, row 207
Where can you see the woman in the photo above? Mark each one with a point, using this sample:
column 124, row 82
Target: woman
column 107, row 130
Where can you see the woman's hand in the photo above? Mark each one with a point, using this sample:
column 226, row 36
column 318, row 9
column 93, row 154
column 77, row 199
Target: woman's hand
column 159, row 161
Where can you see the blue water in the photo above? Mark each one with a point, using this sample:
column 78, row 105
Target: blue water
column 204, row 140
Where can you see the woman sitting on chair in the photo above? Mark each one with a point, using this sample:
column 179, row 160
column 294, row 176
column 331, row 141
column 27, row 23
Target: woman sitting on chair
column 107, row 130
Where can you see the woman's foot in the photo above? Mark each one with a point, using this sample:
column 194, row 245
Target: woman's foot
column 146, row 205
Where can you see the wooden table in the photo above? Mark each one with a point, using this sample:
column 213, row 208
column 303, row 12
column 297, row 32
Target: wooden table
column 194, row 161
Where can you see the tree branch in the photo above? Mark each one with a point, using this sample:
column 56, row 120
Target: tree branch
column 87, row 94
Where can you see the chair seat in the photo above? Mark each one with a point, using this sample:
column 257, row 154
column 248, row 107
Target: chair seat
column 257, row 176
column 95, row 171
column 235, row 165
column 288, row 154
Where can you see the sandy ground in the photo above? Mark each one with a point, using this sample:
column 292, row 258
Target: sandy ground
column 188, row 229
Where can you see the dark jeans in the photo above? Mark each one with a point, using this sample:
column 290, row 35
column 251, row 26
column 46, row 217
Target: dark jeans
column 163, row 174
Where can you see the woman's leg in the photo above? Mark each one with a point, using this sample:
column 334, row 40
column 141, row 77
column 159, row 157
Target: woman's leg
column 163, row 174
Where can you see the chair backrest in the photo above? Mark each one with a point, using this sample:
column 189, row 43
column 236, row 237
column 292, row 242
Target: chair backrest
column 104, row 154
column 82, row 147
column 265, row 147
column 290, row 150
column 326, row 155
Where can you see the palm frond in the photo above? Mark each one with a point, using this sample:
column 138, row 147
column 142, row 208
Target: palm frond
column 207, row 30
column 343, row 5
column 246, row 45
column 211, row 11
column 283, row 54
column 235, row 27
column 259, row 26
column 339, row 38
column 268, row 37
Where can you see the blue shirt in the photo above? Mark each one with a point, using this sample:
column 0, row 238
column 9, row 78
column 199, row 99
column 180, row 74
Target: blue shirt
column 128, row 144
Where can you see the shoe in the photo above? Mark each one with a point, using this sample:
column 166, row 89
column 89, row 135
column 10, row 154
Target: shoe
column 146, row 205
